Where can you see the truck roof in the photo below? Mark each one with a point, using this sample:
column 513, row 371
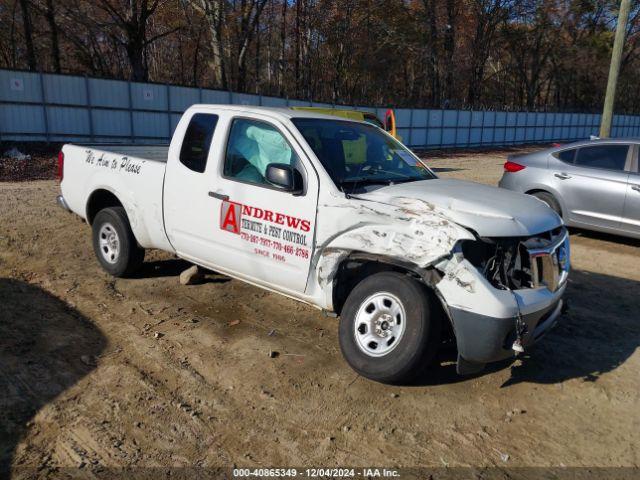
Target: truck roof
column 282, row 113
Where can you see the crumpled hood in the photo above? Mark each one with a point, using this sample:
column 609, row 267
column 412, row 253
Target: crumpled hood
column 489, row 211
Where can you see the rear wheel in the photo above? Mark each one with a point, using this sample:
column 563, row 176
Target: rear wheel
column 389, row 327
column 550, row 200
column 114, row 244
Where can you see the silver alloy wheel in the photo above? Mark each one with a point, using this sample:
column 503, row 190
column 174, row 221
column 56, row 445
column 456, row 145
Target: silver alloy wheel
column 109, row 243
column 380, row 324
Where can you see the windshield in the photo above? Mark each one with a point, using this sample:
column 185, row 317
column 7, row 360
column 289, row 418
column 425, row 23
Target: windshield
column 357, row 154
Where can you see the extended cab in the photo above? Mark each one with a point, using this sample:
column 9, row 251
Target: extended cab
column 340, row 215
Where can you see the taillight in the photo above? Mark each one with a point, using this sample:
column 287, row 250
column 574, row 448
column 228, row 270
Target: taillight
column 60, row 165
column 513, row 167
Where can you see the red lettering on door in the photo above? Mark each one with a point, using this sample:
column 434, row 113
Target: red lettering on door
column 230, row 215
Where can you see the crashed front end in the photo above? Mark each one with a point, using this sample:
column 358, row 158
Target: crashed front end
column 500, row 292
column 511, row 296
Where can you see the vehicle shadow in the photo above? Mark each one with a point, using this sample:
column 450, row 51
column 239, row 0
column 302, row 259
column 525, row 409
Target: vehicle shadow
column 607, row 237
column 47, row 347
column 598, row 334
column 173, row 268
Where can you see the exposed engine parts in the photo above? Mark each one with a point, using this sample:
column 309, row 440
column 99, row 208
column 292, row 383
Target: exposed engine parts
column 517, row 263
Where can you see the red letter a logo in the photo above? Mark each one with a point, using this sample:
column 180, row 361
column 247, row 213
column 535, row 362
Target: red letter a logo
column 230, row 217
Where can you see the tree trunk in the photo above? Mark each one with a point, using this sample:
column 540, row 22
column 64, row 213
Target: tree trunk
column 249, row 23
column 28, row 35
column 53, row 27
column 432, row 52
column 214, row 13
column 283, row 45
column 449, row 48
column 296, row 73
column 136, row 54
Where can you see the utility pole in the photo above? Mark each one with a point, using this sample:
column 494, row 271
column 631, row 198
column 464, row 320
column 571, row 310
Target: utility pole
column 614, row 69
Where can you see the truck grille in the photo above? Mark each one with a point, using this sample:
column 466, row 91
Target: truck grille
column 515, row 263
column 550, row 265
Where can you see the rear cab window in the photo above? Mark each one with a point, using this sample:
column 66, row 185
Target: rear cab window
column 197, row 141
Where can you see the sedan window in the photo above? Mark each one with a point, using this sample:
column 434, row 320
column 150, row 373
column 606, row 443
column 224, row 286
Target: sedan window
column 610, row 157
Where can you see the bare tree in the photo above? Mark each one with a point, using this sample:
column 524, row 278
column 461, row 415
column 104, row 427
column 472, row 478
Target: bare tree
column 25, row 6
column 488, row 15
column 214, row 13
column 132, row 18
column 411, row 53
column 50, row 14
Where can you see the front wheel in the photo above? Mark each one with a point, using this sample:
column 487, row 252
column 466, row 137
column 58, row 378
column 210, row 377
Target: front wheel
column 390, row 327
column 114, row 244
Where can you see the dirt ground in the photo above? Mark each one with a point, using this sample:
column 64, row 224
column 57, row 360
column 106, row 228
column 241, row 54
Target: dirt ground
column 143, row 372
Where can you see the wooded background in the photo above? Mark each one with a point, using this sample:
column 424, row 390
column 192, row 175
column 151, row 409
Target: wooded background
column 482, row 54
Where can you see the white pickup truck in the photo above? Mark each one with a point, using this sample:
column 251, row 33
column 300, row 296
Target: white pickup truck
column 337, row 214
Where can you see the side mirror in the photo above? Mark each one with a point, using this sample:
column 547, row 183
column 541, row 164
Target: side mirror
column 285, row 177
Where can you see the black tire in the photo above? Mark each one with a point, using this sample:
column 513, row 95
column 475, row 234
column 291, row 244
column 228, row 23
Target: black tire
column 129, row 254
column 416, row 346
column 550, row 200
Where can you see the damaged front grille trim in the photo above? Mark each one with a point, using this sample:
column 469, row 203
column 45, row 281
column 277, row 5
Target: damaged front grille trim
column 550, row 265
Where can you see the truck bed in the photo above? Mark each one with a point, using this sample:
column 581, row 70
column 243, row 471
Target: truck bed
column 157, row 153
column 134, row 174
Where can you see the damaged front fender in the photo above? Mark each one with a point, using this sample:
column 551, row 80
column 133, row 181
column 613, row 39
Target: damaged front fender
column 409, row 230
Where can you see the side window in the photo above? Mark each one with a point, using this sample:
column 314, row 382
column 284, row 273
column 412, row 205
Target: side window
column 610, row 157
column 251, row 147
column 197, row 141
column 567, row 156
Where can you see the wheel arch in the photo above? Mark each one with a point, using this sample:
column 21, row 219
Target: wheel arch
column 356, row 266
column 551, row 192
column 99, row 199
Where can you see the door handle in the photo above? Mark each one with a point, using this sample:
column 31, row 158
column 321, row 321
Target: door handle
column 219, row 196
column 562, row 176
column 636, row 188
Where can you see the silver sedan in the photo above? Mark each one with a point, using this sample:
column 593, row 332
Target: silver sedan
column 593, row 184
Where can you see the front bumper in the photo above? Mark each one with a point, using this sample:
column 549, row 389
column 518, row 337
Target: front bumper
column 482, row 339
column 485, row 318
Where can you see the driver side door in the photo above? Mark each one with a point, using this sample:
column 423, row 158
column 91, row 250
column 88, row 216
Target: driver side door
column 261, row 232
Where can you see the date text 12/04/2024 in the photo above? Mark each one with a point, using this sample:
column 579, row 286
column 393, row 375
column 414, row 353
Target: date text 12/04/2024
column 316, row 472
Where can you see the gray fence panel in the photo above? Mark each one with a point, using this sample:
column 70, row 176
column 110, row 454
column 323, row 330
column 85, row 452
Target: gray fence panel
column 108, row 93
column 146, row 96
column 36, row 107
column 299, row 103
column 20, row 86
column 68, row 120
column 65, row 90
column 215, row 97
column 274, row 102
column 183, row 97
column 245, row 99
column 111, row 123
column 27, row 118
column 175, row 118
column 151, row 126
column 434, row 125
